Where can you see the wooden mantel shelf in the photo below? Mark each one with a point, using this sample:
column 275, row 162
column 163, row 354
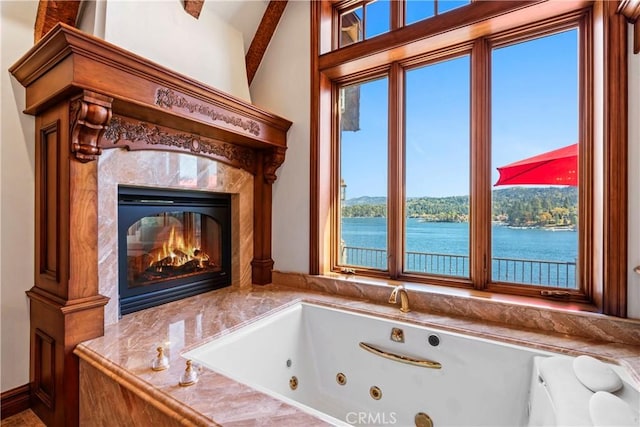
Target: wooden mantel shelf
column 67, row 61
column 89, row 95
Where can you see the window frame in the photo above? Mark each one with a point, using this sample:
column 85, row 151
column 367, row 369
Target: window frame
column 604, row 273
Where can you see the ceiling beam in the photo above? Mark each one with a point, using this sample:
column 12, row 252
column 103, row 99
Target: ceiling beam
column 50, row 12
column 193, row 7
column 263, row 35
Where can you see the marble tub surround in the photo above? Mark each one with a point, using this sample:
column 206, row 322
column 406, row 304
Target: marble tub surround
column 119, row 363
column 514, row 311
column 159, row 169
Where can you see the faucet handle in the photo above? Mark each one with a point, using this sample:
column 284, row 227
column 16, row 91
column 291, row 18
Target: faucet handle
column 189, row 376
column 161, row 362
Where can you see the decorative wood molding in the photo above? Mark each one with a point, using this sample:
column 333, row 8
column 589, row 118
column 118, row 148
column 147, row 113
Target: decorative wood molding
column 263, row 36
column 44, row 380
column 262, row 263
column 167, row 98
column 193, row 7
column 50, row 12
column 137, row 135
column 14, row 401
column 631, row 10
column 272, row 161
column 90, row 115
column 68, row 61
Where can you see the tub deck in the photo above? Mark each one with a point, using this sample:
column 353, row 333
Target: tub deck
column 118, row 387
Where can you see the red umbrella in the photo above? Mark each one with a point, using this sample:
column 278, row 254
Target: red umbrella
column 557, row 167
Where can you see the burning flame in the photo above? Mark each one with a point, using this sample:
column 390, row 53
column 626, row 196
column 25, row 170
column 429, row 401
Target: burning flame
column 176, row 253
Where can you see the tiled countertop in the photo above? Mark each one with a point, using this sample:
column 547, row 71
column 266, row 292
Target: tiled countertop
column 127, row 348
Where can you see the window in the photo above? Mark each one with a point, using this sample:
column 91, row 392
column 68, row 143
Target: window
column 417, row 10
column 363, row 170
column 437, row 135
column 534, row 232
column 365, row 20
column 464, row 107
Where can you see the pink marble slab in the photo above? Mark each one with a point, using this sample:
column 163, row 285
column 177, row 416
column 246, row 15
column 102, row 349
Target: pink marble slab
column 124, row 354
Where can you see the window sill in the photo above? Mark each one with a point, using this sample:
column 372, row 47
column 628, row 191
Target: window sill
column 516, row 311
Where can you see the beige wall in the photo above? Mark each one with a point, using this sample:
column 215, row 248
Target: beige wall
column 281, row 85
column 16, row 197
column 206, row 49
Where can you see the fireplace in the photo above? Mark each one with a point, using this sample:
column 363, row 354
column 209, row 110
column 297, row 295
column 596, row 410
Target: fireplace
column 82, row 119
column 171, row 244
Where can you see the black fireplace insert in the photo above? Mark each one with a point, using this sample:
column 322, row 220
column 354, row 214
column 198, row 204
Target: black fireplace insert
column 171, row 244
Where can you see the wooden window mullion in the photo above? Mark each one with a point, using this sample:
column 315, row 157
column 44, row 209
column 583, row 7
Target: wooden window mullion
column 397, row 14
column 480, row 186
column 395, row 206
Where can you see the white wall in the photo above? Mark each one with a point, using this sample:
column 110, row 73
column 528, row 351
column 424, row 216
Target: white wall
column 244, row 16
column 16, row 196
column 282, row 86
column 633, row 295
column 206, row 49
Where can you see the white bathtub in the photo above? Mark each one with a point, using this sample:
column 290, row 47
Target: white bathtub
column 480, row 382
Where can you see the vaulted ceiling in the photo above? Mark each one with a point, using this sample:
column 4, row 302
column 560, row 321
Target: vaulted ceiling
column 50, row 12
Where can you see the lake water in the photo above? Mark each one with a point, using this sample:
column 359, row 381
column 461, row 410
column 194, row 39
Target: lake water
column 453, row 239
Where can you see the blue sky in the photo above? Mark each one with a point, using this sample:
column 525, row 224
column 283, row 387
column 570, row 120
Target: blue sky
column 534, row 109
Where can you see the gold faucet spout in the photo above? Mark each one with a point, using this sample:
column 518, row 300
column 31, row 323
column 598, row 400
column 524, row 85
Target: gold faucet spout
column 404, row 298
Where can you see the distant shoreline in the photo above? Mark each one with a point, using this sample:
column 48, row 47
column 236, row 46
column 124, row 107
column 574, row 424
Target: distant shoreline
column 570, row 227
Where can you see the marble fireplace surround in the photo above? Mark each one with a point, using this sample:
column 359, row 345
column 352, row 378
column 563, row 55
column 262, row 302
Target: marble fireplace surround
column 176, row 171
column 148, row 126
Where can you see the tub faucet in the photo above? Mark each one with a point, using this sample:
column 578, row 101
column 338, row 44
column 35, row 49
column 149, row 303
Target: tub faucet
column 404, row 298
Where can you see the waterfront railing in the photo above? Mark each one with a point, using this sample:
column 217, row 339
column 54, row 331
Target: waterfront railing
column 560, row 274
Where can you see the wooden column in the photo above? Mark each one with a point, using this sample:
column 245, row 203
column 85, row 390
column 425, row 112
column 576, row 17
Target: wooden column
column 66, row 307
column 268, row 161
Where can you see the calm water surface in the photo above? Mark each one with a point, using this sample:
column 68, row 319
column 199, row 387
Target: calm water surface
column 453, row 239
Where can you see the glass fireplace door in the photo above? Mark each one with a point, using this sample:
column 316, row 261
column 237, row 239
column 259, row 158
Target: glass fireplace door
column 171, row 244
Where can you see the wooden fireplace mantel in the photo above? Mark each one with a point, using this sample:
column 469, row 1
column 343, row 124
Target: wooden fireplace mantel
column 89, row 95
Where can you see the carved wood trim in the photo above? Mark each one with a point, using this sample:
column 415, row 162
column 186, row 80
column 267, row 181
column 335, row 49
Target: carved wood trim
column 123, row 132
column 631, row 10
column 89, row 116
column 50, row 12
column 167, row 98
column 193, row 7
column 272, row 161
column 263, row 36
column 67, row 61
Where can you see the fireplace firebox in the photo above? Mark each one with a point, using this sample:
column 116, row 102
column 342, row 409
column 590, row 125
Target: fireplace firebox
column 171, row 244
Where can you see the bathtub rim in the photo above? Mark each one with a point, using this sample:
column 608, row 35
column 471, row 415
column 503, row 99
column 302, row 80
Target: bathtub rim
column 412, row 318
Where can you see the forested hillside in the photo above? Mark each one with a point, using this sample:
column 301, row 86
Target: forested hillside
column 517, row 206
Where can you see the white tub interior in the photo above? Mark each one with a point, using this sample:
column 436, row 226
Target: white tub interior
column 481, row 382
